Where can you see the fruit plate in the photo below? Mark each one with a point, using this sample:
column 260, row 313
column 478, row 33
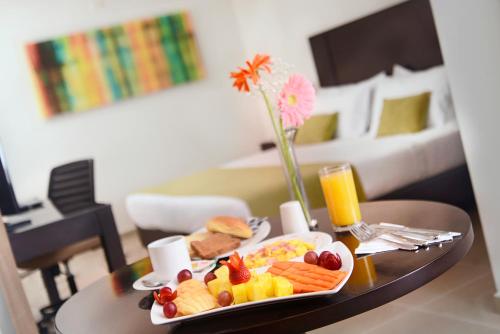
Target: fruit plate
column 261, row 229
column 157, row 317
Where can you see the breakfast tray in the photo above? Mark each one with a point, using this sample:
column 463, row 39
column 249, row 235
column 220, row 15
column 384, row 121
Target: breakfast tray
column 157, row 317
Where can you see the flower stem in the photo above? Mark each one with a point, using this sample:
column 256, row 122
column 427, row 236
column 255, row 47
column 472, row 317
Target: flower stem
column 285, row 152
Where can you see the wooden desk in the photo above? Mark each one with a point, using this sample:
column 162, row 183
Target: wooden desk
column 110, row 305
column 50, row 231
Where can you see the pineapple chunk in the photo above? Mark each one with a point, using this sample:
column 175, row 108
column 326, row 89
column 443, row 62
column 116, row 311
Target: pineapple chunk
column 282, row 287
column 222, row 273
column 213, row 286
column 267, row 280
column 256, row 290
column 240, row 293
column 217, row 285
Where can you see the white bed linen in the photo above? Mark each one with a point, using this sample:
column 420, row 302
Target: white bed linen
column 183, row 214
column 383, row 164
column 440, row 149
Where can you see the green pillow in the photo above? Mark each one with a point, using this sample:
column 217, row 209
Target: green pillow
column 404, row 115
column 317, row 129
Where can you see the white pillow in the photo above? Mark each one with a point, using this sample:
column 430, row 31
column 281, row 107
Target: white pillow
column 353, row 104
column 400, row 71
column 409, row 84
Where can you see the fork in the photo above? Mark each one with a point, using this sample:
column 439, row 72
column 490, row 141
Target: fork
column 363, row 232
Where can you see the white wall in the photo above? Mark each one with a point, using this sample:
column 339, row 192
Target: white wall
column 469, row 33
column 282, row 27
column 138, row 142
column 147, row 140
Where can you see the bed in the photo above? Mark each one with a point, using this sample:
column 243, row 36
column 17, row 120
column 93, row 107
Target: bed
column 383, row 165
column 426, row 165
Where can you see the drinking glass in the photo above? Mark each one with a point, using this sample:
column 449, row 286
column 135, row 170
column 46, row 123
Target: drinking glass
column 341, row 199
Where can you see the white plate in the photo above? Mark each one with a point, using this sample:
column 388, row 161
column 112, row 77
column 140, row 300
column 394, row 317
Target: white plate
column 157, row 317
column 259, row 234
column 139, row 285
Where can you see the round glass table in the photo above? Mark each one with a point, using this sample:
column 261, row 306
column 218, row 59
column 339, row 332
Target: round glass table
column 110, row 305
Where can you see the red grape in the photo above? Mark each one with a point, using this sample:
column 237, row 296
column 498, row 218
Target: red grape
column 339, row 261
column 311, row 257
column 332, row 262
column 184, row 275
column 166, row 294
column 322, row 257
column 169, row 310
column 225, row 298
column 209, row 277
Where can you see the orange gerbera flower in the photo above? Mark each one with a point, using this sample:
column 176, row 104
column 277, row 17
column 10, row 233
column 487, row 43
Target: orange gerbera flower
column 259, row 62
column 240, row 80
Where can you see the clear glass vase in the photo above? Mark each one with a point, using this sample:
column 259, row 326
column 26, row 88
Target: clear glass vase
column 293, row 176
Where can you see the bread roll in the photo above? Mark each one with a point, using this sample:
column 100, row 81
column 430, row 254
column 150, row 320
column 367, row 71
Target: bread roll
column 230, row 225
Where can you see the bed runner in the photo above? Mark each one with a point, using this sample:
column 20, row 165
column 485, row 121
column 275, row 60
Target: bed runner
column 263, row 188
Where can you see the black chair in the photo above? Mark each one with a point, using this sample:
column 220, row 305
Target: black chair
column 71, row 188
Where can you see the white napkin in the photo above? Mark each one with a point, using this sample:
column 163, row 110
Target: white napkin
column 376, row 245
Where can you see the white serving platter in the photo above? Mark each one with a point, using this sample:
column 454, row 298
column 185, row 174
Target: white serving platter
column 157, row 317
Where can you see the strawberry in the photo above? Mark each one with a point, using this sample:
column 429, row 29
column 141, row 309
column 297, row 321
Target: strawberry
column 238, row 273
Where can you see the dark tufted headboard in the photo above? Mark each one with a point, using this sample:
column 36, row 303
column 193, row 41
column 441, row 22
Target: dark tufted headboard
column 404, row 34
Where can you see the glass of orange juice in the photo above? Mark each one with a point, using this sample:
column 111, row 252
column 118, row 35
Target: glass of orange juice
column 340, row 195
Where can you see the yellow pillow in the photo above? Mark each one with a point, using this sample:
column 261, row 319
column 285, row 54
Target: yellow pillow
column 317, row 129
column 404, row 115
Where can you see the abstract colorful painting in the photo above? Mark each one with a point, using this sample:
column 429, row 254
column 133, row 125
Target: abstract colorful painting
column 90, row 69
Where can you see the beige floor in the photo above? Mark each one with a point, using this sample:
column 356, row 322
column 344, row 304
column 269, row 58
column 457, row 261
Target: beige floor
column 460, row 301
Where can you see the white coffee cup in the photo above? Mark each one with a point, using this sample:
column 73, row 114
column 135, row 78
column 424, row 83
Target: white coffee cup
column 292, row 218
column 169, row 256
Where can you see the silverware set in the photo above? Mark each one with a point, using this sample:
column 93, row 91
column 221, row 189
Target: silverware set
column 406, row 238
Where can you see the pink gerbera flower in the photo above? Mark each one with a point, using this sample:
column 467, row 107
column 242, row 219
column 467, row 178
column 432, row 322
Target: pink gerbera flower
column 296, row 101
